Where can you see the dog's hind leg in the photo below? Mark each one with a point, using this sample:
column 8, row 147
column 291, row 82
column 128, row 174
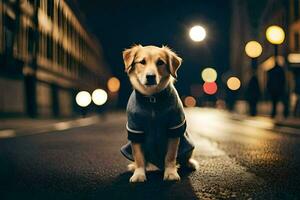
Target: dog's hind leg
column 189, row 162
column 192, row 164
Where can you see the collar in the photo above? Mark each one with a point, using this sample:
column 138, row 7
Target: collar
column 155, row 98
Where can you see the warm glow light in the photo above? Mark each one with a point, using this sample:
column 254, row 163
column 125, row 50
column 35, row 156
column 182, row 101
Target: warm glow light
column 99, row 97
column 44, row 22
column 210, row 88
column 233, row 83
column 83, row 98
column 189, row 101
column 209, row 75
column 275, row 34
column 294, row 58
column 253, row 49
column 197, row 33
column 270, row 63
column 113, row 84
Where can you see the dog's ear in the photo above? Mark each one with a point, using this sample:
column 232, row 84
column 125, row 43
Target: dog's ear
column 174, row 61
column 128, row 57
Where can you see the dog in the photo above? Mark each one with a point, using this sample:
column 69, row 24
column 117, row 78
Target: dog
column 156, row 123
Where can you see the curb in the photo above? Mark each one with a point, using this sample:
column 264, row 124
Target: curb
column 59, row 126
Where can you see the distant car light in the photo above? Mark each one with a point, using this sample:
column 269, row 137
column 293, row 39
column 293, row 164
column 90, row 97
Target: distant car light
column 210, row 88
column 83, row 98
column 113, row 84
column 189, row 101
column 99, row 97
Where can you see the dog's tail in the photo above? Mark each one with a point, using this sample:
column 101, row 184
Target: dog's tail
column 150, row 167
column 131, row 167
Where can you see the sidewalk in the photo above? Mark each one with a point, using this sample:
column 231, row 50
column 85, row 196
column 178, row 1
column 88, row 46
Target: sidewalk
column 290, row 122
column 264, row 110
column 25, row 126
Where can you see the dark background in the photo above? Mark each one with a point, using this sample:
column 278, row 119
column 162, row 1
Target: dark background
column 119, row 24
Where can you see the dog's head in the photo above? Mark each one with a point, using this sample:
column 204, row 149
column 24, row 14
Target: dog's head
column 151, row 69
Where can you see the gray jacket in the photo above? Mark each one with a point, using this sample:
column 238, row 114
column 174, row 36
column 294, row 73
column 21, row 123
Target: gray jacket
column 154, row 119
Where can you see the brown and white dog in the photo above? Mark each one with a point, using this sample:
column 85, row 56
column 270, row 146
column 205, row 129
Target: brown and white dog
column 152, row 71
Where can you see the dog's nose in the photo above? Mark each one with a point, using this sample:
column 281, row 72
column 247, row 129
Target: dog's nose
column 151, row 80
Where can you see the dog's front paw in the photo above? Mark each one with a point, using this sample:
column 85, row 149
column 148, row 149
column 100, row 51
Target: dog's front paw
column 171, row 174
column 138, row 176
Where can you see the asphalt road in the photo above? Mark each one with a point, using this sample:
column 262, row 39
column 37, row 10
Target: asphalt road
column 240, row 158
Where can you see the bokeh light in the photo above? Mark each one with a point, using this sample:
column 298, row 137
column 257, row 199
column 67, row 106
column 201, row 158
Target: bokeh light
column 83, row 98
column 210, row 88
column 275, row 34
column 209, row 75
column 99, row 97
column 113, row 84
column 233, row 83
column 197, row 33
column 189, row 101
column 294, row 57
column 253, row 49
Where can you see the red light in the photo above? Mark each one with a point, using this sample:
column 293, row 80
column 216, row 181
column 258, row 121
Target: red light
column 210, row 88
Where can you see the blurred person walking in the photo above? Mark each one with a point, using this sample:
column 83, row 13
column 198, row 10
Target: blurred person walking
column 276, row 86
column 253, row 94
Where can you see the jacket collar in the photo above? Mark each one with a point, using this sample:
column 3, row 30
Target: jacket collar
column 155, row 98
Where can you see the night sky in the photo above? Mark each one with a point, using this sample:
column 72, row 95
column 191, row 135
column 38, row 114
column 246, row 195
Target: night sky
column 118, row 24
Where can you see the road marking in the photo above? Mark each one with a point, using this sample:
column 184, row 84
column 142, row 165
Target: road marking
column 205, row 147
column 7, row 133
column 219, row 176
column 62, row 126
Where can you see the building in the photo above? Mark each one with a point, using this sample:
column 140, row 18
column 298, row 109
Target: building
column 46, row 56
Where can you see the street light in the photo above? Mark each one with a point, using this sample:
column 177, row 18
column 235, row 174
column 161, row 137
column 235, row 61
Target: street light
column 197, row 33
column 233, row 83
column 253, row 49
column 275, row 35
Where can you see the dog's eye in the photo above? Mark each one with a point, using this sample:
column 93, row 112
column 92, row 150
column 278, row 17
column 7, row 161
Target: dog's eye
column 160, row 62
column 143, row 62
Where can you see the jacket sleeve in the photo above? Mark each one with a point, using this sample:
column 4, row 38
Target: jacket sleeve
column 177, row 130
column 135, row 129
column 177, row 123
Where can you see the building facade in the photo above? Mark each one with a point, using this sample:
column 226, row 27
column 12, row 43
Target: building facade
column 257, row 17
column 46, row 56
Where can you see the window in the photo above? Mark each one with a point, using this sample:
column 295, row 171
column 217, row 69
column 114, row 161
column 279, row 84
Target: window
column 31, row 41
column 296, row 9
column 50, row 8
column 49, row 47
column 32, row 2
